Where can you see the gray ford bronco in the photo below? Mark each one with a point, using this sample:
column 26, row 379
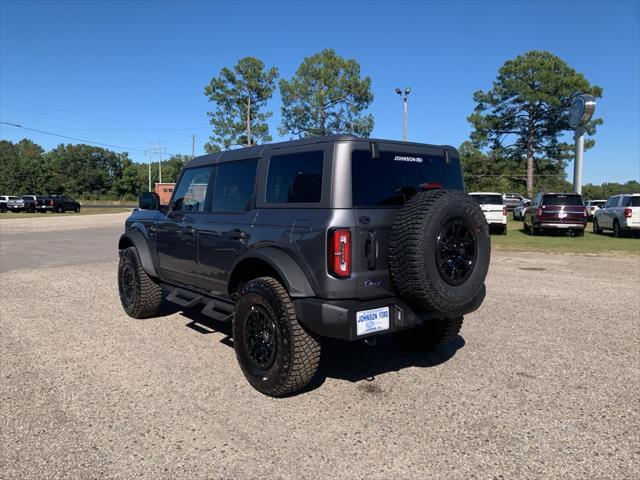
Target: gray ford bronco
column 337, row 236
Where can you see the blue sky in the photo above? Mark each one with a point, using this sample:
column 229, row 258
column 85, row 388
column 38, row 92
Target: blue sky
column 127, row 73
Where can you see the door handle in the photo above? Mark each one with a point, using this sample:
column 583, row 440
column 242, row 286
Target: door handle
column 371, row 250
column 236, row 234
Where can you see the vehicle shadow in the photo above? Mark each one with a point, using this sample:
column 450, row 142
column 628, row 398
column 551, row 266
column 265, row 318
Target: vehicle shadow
column 350, row 361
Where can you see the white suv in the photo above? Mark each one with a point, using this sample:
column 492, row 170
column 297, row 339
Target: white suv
column 620, row 214
column 492, row 205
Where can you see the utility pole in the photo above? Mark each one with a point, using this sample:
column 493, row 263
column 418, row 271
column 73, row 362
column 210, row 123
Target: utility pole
column 149, row 162
column 193, row 145
column 159, row 162
column 404, row 96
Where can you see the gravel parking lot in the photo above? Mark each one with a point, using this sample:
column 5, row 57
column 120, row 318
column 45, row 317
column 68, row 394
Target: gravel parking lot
column 543, row 382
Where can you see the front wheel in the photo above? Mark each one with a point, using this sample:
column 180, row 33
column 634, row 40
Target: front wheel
column 140, row 295
column 596, row 227
column 276, row 354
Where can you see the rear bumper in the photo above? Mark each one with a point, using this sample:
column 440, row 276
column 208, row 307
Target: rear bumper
column 631, row 227
column 337, row 318
column 561, row 226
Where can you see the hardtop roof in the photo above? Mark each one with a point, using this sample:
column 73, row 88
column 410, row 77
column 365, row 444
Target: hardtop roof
column 257, row 150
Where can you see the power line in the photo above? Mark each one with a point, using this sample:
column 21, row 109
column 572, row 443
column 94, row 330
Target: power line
column 73, row 138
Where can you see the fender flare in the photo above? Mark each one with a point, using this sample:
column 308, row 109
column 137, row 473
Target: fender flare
column 294, row 278
column 139, row 240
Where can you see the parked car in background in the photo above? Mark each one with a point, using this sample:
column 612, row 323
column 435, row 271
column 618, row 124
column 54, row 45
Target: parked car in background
column 512, row 200
column 518, row 212
column 556, row 211
column 26, row 203
column 621, row 214
column 3, row 202
column 494, row 210
column 593, row 206
column 37, row 203
column 62, row 203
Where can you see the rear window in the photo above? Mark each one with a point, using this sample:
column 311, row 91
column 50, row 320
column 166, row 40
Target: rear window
column 488, row 199
column 295, row 178
column 562, row 200
column 631, row 202
column 397, row 176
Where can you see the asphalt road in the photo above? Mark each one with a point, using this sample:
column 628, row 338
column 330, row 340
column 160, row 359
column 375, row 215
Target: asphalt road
column 543, row 382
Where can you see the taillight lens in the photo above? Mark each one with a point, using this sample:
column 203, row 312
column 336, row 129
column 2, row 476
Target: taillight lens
column 627, row 213
column 585, row 213
column 539, row 212
column 51, row 202
column 340, row 253
column 504, row 211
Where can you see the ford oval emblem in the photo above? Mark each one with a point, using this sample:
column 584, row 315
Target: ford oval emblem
column 373, row 283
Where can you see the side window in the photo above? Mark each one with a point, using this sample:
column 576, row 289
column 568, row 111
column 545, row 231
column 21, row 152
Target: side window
column 191, row 192
column 235, row 186
column 626, row 202
column 612, row 202
column 295, row 178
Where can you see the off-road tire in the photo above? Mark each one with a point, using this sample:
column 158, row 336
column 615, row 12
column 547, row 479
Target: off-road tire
column 435, row 333
column 145, row 300
column 297, row 351
column 596, row 229
column 414, row 266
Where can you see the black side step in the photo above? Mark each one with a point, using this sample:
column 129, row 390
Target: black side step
column 218, row 310
column 184, row 298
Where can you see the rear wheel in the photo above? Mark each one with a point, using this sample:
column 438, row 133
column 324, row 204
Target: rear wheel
column 617, row 231
column 140, row 295
column 77, row 210
column 276, row 354
column 433, row 334
column 578, row 233
column 60, row 209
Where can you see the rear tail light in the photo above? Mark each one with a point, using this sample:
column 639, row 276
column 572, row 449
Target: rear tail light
column 51, row 202
column 504, row 211
column 627, row 213
column 340, row 252
column 539, row 212
column 585, row 213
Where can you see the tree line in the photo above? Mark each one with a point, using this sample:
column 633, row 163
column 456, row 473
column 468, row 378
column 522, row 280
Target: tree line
column 518, row 140
column 81, row 171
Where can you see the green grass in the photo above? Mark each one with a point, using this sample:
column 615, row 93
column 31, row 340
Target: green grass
column 604, row 243
column 83, row 211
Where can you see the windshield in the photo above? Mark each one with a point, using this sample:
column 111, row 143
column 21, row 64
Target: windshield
column 596, row 204
column 397, row 176
column 562, row 200
column 483, row 199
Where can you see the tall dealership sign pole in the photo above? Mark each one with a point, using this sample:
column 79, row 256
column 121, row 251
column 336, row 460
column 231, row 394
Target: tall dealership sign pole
column 581, row 112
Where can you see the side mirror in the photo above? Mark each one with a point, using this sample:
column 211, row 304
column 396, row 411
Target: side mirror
column 149, row 201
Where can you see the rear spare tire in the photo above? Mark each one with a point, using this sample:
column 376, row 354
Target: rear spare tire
column 439, row 252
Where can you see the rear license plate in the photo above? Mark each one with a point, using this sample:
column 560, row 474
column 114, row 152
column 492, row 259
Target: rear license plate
column 369, row 321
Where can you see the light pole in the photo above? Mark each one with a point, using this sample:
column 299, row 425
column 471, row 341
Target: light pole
column 404, row 96
column 581, row 112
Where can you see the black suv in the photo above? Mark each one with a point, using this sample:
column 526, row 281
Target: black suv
column 336, row 236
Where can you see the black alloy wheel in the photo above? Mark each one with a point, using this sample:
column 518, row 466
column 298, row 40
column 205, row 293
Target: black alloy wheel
column 456, row 251
column 261, row 338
